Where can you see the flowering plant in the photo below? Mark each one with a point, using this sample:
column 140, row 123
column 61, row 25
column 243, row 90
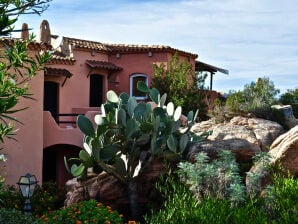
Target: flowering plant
column 84, row 212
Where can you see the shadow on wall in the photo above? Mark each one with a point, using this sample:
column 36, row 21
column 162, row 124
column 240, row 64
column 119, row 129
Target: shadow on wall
column 53, row 163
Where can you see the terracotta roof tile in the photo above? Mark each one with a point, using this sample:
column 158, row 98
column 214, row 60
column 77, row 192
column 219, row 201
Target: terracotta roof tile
column 34, row 45
column 122, row 48
column 59, row 59
column 57, row 72
column 85, row 44
column 93, row 45
column 103, row 65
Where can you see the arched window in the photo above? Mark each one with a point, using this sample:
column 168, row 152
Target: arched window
column 133, row 86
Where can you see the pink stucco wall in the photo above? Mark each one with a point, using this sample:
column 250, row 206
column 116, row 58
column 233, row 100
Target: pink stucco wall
column 25, row 154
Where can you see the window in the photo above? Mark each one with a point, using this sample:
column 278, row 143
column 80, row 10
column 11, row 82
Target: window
column 133, row 85
column 96, row 88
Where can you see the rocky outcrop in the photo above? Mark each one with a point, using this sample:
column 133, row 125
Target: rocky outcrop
column 106, row 189
column 283, row 152
column 287, row 116
column 244, row 136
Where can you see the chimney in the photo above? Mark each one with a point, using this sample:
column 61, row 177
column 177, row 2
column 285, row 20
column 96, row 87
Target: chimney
column 25, row 31
column 45, row 32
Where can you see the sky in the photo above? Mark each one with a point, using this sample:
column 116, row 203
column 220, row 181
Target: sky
column 250, row 38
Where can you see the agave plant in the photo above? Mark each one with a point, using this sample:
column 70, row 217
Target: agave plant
column 129, row 135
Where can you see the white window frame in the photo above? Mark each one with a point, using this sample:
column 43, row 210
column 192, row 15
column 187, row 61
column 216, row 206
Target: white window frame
column 131, row 78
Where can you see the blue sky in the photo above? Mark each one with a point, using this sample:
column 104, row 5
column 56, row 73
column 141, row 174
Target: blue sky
column 250, row 38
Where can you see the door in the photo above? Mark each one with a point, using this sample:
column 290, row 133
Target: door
column 50, row 101
column 96, row 89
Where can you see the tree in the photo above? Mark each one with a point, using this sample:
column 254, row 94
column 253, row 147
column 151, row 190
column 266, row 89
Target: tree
column 291, row 97
column 17, row 66
column 256, row 97
column 181, row 83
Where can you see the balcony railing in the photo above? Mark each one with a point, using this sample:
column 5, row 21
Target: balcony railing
column 59, row 120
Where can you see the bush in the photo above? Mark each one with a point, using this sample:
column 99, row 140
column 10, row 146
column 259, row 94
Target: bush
column 180, row 206
column 291, row 98
column 281, row 200
column 47, row 197
column 278, row 204
column 216, row 179
column 11, row 198
column 181, row 83
column 13, row 216
column 256, row 98
column 84, row 212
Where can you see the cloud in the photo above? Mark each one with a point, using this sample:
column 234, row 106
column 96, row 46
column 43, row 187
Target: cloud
column 250, row 38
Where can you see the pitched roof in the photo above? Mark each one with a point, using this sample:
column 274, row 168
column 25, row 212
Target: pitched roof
column 121, row 48
column 61, row 59
column 85, row 44
column 103, row 65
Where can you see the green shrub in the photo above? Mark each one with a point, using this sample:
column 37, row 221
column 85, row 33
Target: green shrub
column 281, row 200
column 11, row 198
column 84, row 212
column 216, row 179
column 291, row 98
column 180, row 206
column 181, row 83
column 47, row 197
column 256, row 97
column 13, row 216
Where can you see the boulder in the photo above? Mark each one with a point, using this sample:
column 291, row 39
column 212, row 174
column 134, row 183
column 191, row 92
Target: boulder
column 108, row 190
column 288, row 119
column 243, row 136
column 284, row 152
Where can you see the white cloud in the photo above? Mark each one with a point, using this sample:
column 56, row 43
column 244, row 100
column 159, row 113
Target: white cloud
column 250, row 38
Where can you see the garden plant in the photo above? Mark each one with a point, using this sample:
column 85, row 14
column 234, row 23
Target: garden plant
column 129, row 136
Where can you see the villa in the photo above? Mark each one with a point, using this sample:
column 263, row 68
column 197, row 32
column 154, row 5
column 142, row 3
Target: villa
column 75, row 82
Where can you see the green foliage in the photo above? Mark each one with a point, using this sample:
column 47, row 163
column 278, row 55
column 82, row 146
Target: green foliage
column 256, row 98
column 13, row 216
column 181, row 83
column 216, row 179
column 281, row 200
column 17, row 66
column 129, row 135
column 11, row 9
column 262, row 161
column 10, row 198
column 219, row 112
column 84, row 212
column 14, row 73
column 180, row 206
column 291, row 98
column 45, row 198
column 277, row 204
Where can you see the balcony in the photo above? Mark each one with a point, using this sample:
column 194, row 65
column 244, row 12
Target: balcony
column 62, row 129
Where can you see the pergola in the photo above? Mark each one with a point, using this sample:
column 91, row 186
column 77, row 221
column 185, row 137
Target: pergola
column 203, row 67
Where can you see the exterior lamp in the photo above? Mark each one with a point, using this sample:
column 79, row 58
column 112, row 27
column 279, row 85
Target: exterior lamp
column 27, row 184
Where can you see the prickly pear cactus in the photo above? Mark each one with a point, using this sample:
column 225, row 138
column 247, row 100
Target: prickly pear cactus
column 130, row 134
